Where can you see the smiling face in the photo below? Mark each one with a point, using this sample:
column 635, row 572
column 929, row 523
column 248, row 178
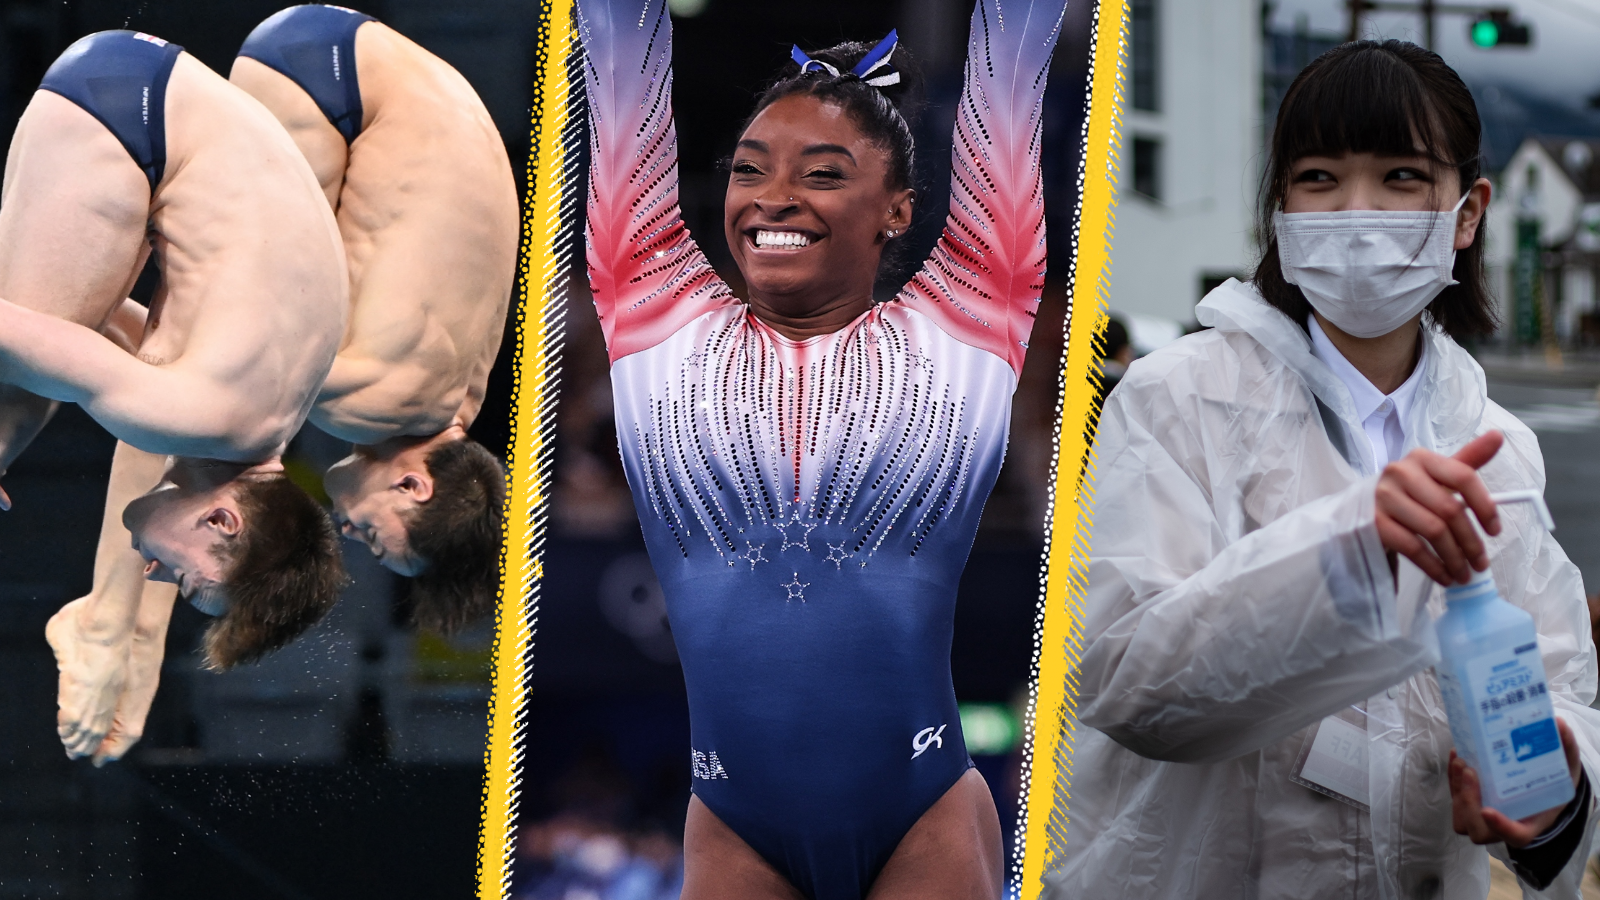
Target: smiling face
column 373, row 499
column 807, row 207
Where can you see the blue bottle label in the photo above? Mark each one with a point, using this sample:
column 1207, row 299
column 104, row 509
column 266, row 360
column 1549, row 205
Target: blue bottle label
column 1521, row 750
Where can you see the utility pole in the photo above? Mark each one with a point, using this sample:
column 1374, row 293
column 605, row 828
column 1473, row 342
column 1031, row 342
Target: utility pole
column 1355, row 7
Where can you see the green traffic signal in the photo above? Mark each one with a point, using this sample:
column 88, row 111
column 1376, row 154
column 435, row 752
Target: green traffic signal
column 1497, row 28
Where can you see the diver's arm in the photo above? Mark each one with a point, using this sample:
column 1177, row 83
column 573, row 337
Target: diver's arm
column 365, row 401
column 1198, row 649
column 648, row 276
column 163, row 409
column 24, row 414
column 350, row 375
column 92, row 635
column 983, row 281
column 342, row 408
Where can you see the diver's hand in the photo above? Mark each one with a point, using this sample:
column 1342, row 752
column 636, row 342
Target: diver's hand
column 1486, row 825
column 1420, row 515
column 94, row 673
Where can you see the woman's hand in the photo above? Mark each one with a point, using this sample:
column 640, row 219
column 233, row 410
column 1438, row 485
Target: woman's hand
column 1488, row 826
column 1421, row 517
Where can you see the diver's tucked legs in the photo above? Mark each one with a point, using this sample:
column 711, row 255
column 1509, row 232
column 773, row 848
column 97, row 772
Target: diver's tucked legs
column 953, row 851
column 719, row 865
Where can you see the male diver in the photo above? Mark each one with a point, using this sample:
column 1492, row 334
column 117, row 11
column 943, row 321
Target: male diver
column 426, row 204
column 132, row 147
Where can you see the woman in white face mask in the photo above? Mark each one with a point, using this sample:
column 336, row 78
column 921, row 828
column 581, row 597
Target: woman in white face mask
column 1279, row 501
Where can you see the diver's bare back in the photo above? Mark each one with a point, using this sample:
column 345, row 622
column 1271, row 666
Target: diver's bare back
column 428, row 211
column 252, row 269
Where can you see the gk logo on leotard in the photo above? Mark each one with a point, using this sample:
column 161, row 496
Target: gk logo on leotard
column 926, row 738
column 706, row 765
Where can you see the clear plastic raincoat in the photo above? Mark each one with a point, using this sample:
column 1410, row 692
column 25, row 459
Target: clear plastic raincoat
column 1238, row 593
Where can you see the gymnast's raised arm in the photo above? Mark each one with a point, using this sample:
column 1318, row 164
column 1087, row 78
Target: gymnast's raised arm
column 648, row 276
column 983, row 281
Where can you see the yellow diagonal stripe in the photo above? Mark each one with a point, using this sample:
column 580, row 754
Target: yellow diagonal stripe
column 542, row 280
column 1056, row 637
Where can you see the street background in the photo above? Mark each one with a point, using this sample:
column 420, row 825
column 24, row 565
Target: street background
column 1204, row 83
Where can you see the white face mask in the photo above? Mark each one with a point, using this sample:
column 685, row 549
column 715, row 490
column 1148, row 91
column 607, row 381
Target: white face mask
column 1368, row 271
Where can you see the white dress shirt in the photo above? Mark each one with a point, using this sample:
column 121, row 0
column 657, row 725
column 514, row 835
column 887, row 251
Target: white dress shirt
column 1383, row 416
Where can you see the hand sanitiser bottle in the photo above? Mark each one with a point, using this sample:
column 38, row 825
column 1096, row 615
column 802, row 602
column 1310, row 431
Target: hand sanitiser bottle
column 1493, row 682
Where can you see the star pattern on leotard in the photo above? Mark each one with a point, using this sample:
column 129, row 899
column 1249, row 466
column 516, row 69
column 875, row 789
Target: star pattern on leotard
column 921, row 360
column 796, row 588
column 753, row 554
column 837, row 554
column 791, row 529
column 696, row 359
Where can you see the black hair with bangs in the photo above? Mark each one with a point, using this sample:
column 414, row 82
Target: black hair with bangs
column 1391, row 99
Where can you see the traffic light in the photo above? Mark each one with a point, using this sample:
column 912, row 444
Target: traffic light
column 1496, row 28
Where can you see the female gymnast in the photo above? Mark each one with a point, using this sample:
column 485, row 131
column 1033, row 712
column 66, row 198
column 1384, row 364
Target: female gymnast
column 809, row 466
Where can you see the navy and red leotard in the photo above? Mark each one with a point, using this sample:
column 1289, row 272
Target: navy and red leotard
column 809, row 506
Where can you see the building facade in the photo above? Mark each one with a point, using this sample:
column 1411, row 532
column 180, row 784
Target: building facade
column 1190, row 155
column 1544, row 239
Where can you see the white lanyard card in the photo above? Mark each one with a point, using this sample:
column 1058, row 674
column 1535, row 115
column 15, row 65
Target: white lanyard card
column 1333, row 760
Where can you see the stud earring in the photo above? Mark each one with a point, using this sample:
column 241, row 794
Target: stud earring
column 890, row 233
